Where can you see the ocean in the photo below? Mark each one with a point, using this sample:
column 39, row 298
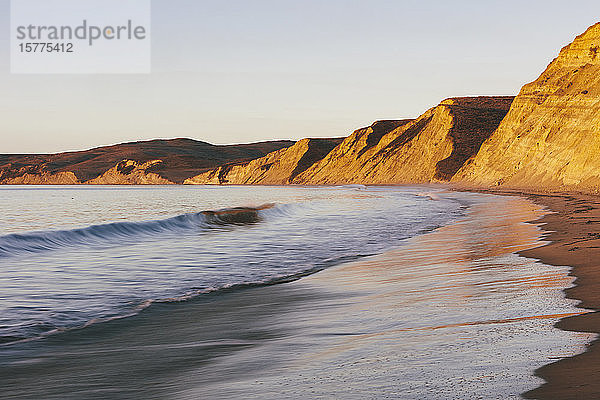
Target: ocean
column 181, row 292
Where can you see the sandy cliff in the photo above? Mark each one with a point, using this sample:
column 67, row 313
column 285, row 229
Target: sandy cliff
column 430, row 148
column 351, row 148
column 37, row 176
column 277, row 168
column 129, row 172
column 545, row 138
column 551, row 136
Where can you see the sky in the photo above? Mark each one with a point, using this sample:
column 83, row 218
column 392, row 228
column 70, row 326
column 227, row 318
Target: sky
column 233, row 71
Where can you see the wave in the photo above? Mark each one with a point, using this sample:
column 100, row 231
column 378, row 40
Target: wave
column 429, row 195
column 46, row 329
column 352, row 186
column 34, row 242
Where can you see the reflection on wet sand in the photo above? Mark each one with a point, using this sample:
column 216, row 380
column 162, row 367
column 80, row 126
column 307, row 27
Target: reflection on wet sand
column 459, row 293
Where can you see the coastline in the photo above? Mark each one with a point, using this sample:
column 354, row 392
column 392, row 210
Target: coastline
column 365, row 328
column 573, row 231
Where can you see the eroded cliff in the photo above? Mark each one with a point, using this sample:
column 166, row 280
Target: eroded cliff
column 37, row 176
column 430, row 148
column 550, row 138
column 277, row 168
column 129, row 172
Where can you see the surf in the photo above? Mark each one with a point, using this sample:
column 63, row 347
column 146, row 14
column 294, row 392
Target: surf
column 117, row 232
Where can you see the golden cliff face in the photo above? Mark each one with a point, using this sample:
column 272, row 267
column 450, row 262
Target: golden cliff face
column 277, row 168
column 129, row 172
column 551, row 136
column 41, row 178
column 351, row 148
column 430, row 148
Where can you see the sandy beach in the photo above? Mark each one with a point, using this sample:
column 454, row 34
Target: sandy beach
column 575, row 241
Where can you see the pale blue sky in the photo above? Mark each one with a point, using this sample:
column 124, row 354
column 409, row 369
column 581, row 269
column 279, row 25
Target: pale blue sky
column 243, row 71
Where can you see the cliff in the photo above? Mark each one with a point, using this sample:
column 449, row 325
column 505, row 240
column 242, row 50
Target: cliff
column 551, row 136
column 430, row 148
column 181, row 159
column 277, row 168
column 545, row 138
column 129, row 172
column 351, row 148
column 39, row 177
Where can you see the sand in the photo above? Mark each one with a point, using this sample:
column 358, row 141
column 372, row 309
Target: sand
column 574, row 232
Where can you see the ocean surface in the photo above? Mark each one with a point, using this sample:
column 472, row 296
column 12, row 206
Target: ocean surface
column 331, row 292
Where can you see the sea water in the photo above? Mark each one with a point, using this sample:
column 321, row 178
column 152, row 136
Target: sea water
column 151, row 275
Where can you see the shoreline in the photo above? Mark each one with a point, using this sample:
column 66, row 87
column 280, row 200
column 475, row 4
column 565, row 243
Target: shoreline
column 571, row 228
column 575, row 241
column 365, row 327
column 573, row 231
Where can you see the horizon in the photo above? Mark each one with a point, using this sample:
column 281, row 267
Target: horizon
column 285, row 75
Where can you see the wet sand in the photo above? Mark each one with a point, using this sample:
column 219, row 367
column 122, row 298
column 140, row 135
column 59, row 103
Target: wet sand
column 575, row 241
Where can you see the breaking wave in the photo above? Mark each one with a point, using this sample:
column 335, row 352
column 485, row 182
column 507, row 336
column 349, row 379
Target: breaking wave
column 106, row 234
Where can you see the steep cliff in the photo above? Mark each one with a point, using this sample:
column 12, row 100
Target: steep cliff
column 550, row 138
column 129, row 172
column 430, row 148
column 350, row 149
column 277, row 168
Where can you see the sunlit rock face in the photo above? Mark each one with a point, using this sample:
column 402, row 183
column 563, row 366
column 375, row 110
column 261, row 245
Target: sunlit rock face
column 276, row 168
column 550, row 138
column 40, row 178
column 430, row 148
column 129, row 172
